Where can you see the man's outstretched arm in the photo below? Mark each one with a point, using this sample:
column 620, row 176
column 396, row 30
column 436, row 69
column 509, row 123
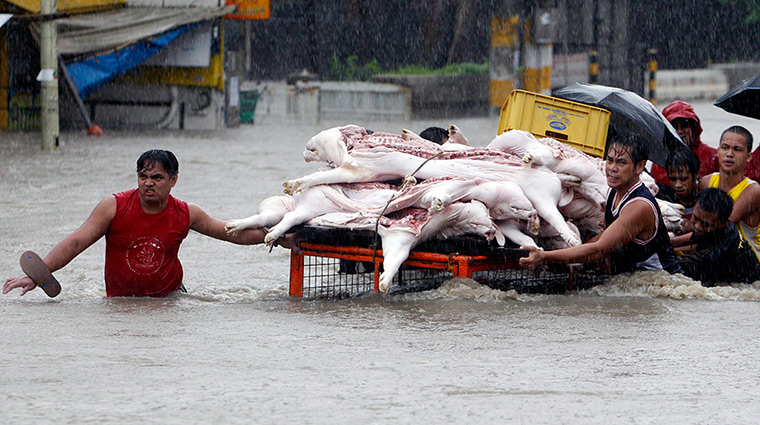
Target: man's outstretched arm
column 636, row 218
column 72, row 245
column 203, row 223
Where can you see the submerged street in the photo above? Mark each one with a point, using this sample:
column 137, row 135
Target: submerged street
column 649, row 348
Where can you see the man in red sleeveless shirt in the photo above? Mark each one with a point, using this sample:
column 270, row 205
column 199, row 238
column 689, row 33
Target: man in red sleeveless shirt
column 144, row 228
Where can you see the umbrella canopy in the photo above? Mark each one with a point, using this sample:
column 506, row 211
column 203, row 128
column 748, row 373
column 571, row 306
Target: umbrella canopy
column 629, row 112
column 743, row 98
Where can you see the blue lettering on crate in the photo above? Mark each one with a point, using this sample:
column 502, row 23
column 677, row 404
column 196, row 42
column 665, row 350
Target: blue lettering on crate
column 557, row 125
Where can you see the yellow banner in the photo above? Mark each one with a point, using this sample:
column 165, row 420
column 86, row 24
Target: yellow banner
column 69, row 5
column 249, row 9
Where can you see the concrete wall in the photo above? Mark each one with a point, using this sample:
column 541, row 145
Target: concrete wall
column 688, row 85
column 737, row 72
column 700, row 84
column 364, row 101
column 330, row 102
column 440, row 96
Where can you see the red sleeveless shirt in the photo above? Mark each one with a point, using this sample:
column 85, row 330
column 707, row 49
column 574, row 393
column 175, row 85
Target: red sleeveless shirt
column 141, row 248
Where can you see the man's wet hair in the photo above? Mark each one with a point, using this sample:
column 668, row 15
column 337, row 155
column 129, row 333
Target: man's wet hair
column 165, row 158
column 435, row 134
column 632, row 143
column 683, row 158
column 715, row 201
column 740, row 131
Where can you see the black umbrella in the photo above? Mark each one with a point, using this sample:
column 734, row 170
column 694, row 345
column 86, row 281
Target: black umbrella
column 743, row 98
column 629, row 112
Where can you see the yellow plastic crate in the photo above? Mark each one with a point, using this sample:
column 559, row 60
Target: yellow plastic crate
column 575, row 124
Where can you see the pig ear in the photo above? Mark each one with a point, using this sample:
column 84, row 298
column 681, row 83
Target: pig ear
column 353, row 132
column 500, row 238
column 566, row 197
column 336, row 152
column 407, row 134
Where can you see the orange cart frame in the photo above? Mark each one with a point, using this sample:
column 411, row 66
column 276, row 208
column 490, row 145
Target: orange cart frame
column 458, row 264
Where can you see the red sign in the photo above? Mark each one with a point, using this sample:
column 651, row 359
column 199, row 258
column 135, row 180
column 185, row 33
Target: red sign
column 249, row 9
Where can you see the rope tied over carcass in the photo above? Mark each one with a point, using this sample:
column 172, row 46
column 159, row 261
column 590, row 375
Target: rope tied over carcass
column 409, row 181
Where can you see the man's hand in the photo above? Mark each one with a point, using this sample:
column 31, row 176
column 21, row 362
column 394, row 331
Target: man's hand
column 24, row 282
column 534, row 258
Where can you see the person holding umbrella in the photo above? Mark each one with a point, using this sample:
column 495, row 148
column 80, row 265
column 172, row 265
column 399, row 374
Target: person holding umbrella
column 635, row 231
column 682, row 116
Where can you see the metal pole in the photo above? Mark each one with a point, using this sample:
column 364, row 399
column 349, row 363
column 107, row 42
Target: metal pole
column 48, row 76
column 652, row 53
column 505, row 41
column 593, row 69
column 92, row 129
column 248, row 46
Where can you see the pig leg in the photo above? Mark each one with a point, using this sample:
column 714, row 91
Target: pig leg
column 511, row 229
column 545, row 202
column 309, row 204
column 271, row 210
column 396, row 247
column 362, row 167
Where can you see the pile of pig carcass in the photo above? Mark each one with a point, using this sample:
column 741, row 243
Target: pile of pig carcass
column 530, row 191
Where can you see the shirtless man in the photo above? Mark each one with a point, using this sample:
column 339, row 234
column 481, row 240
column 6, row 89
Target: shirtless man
column 634, row 230
column 733, row 154
column 144, row 228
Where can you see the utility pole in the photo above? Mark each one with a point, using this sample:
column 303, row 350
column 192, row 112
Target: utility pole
column 48, row 76
column 505, row 50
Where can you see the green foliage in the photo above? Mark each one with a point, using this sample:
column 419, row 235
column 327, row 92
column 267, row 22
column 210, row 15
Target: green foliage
column 751, row 6
column 455, row 68
column 350, row 70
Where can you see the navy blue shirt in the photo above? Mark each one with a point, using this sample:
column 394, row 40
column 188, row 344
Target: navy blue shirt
column 625, row 258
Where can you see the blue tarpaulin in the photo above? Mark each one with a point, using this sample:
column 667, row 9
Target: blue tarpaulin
column 90, row 74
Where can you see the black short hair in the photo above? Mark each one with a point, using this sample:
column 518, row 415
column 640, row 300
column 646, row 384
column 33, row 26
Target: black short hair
column 632, row 143
column 740, row 131
column 683, row 158
column 715, row 201
column 435, row 134
column 163, row 157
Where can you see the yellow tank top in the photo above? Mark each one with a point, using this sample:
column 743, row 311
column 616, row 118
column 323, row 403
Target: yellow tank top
column 749, row 234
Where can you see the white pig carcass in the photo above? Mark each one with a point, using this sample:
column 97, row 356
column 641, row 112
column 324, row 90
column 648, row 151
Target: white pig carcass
column 318, row 200
column 558, row 157
column 382, row 156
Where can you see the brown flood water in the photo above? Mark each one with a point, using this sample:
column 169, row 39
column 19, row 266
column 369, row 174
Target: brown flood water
column 650, row 348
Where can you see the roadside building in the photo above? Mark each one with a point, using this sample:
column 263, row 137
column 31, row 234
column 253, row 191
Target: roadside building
column 122, row 64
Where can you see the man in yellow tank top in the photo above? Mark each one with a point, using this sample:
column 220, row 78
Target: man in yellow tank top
column 733, row 153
